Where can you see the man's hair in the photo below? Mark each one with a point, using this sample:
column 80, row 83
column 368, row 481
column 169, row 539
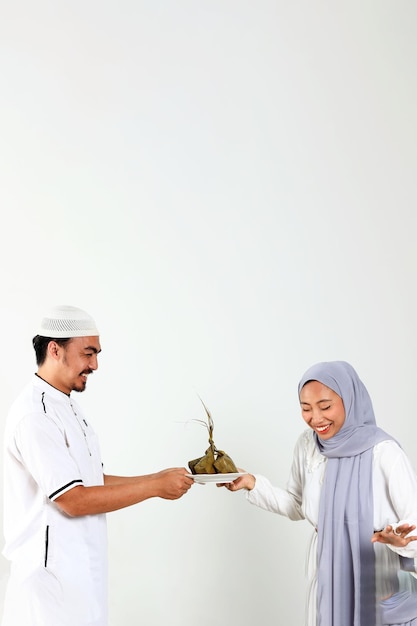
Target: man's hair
column 40, row 345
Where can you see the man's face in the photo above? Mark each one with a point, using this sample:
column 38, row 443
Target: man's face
column 77, row 359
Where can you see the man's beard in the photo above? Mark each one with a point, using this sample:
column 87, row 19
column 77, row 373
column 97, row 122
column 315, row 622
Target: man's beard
column 81, row 387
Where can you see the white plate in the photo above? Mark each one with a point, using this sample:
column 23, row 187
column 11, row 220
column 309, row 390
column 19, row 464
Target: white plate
column 216, row 478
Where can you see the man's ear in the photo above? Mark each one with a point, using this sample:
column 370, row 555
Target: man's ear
column 54, row 350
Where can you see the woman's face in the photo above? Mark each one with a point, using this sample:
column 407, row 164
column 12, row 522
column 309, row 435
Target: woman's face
column 322, row 409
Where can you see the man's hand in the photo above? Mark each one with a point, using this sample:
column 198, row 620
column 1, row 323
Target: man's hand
column 173, row 483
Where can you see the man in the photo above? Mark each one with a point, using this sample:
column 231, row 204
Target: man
column 55, row 493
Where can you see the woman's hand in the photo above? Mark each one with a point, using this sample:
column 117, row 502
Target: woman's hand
column 247, row 481
column 397, row 538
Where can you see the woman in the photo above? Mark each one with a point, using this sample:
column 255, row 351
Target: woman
column 354, row 484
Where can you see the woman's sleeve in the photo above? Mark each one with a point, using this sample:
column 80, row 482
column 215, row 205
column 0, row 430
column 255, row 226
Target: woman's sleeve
column 287, row 501
column 401, row 480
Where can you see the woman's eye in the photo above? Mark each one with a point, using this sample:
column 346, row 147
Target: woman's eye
column 326, row 407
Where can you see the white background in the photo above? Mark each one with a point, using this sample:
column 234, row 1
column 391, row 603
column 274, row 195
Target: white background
column 229, row 188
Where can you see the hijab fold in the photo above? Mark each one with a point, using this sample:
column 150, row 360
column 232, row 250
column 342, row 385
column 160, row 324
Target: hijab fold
column 346, row 593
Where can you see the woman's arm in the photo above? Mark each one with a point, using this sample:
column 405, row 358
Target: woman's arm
column 401, row 485
column 263, row 494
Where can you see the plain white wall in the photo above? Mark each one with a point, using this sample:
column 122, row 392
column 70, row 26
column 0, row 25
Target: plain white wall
column 229, row 188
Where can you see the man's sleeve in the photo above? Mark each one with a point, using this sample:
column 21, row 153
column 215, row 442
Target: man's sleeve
column 41, row 446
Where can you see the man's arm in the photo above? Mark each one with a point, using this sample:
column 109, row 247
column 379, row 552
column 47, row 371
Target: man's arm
column 119, row 492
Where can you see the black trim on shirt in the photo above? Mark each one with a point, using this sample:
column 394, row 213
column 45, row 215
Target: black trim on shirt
column 46, row 545
column 78, row 480
column 45, row 381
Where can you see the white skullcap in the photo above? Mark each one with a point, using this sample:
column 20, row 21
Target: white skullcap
column 63, row 322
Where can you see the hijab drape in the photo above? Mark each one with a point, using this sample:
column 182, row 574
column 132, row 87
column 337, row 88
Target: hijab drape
column 346, row 593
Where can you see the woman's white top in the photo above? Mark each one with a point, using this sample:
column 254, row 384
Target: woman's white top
column 395, row 501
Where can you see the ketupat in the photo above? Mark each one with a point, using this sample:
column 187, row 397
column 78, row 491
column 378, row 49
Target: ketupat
column 214, row 461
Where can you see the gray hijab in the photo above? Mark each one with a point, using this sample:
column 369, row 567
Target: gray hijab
column 346, row 594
